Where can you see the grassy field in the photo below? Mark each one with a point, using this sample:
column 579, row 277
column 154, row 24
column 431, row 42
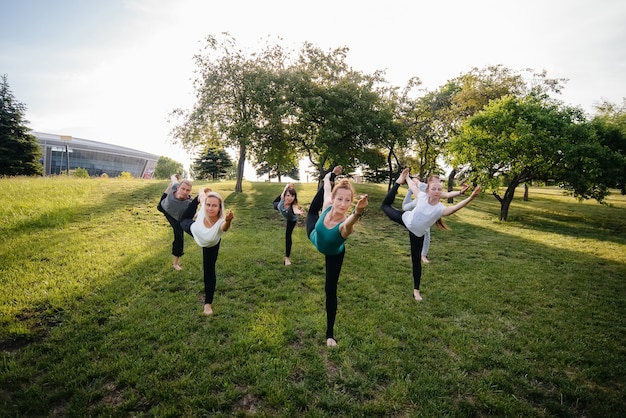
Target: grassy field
column 523, row 318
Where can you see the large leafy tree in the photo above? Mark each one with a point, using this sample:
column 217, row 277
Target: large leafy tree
column 226, row 112
column 433, row 119
column 20, row 153
column 519, row 140
column 336, row 112
column 274, row 151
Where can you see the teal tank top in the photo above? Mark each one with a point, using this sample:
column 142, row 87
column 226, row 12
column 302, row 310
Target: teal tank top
column 327, row 241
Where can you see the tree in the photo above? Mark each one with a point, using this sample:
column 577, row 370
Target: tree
column 20, row 153
column 225, row 112
column 609, row 125
column 212, row 164
column 518, row 140
column 336, row 112
column 166, row 167
column 433, row 119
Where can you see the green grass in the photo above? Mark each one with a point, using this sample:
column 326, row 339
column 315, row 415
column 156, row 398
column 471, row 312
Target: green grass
column 523, row 318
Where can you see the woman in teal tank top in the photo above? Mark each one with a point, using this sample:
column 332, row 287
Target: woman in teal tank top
column 329, row 231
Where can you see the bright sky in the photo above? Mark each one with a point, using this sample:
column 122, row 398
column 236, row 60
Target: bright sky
column 113, row 70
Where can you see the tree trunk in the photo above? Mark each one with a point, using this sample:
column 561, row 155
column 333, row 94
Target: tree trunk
column 240, row 167
column 505, row 202
column 451, row 184
column 525, row 192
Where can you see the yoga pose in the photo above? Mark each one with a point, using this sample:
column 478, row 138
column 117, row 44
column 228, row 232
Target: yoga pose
column 329, row 231
column 287, row 204
column 428, row 210
column 409, row 204
column 207, row 230
column 172, row 204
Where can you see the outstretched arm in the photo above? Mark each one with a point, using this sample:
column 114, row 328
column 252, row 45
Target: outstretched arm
column 449, row 210
column 446, row 195
column 347, row 227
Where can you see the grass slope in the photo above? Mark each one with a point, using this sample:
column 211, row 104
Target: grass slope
column 523, row 318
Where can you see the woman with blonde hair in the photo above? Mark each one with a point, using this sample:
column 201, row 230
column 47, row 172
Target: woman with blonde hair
column 409, row 204
column 328, row 232
column 428, row 211
column 207, row 229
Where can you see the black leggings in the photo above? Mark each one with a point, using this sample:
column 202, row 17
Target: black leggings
column 416, row 242
column 333, row 262
column 209, row 254
column 288, row 240
column 178, row 244
column 289, row 231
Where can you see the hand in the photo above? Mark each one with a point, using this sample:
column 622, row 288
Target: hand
column 361, row 204
column 476, row 191
column 464, row 188
column 229, row 216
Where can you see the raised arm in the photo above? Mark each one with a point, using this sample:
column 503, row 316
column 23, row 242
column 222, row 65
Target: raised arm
column 449, row 210
column 347, row 227
column 287, row 186
column 227, row 220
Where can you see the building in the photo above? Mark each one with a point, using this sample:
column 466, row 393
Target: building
column 64, row 153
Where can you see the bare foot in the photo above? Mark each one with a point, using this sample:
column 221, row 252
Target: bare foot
column 330, row 342
column 287, row 261
column 176, row 263
column 402, row 177
column 425, row 260
column 208, row 310
column 177, row 267
column 416, row 295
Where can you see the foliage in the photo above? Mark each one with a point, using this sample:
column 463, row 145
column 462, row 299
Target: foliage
column 523, row 318
column 278, row 111
column 212, row 164
column 225, row 113
column 125, row 175
column 20, row 153
column 520, row 140
column 166, row 167
column 609, row 126
column 80, row 173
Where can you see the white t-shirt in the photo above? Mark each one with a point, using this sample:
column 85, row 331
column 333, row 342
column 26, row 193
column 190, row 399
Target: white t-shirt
column 206, row 237
column 423, row 216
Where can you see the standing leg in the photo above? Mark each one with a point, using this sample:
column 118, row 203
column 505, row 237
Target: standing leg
column 209, row 258
column 416, row 249
column 426, row 246
column 178, row 244
column 288, row 240
column 333, row 269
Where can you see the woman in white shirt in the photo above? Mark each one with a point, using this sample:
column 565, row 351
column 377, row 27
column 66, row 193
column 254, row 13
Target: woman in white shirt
column 207, row 229
column 428, row 210
column 409, row 204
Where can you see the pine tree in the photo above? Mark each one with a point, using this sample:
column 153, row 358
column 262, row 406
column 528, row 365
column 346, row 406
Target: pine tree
column 20, row 152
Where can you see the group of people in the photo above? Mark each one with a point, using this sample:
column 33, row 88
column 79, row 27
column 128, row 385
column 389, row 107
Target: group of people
column 329, row 223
